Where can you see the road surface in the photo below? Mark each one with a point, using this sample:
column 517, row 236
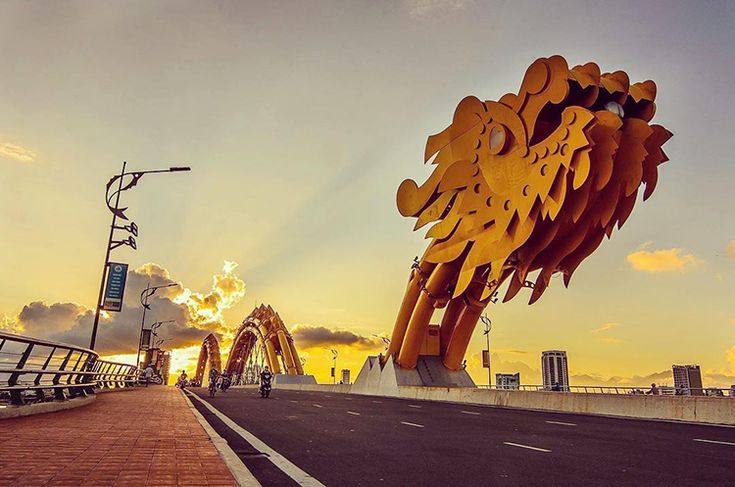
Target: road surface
column 352, row 440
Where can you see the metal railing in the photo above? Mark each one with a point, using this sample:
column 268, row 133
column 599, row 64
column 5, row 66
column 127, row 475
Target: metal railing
column 31, row 367
column 658, row 391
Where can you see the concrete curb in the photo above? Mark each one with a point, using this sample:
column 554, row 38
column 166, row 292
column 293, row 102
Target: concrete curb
column 239, row 471
column 44, row 407
column 715, row 411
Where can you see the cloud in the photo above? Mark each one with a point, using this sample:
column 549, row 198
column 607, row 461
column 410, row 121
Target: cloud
column 195, row 314
column 730, row 249
column 310, row 336
column 662, row 260
column 605, row 327
column 17, row 152
column 422, row 8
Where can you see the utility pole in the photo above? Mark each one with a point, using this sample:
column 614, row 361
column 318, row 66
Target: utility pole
column 488, row 326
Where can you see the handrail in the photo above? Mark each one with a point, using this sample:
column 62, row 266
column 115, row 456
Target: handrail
column 661, row 390
column 32, row 364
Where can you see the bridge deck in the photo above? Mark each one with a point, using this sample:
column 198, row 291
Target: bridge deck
column 146, row 436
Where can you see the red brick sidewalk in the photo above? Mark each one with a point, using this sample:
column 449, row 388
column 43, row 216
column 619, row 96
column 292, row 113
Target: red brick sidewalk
column 147, row 436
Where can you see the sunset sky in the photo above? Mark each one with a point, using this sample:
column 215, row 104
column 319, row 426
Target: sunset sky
column 299, row 120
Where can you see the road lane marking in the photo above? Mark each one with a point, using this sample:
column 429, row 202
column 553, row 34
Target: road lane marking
column 714, row 441
column 353, row 413
column 318, row 406
column 291, row 400
column 526, row 446
column 562, row 423
column 377, row 402
column 348, row 399
column 299, row 476
column 470, row 412
column 412, row 424
column 238, row 469
column 414, row 406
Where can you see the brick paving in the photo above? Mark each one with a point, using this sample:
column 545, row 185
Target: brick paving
column 146, row 436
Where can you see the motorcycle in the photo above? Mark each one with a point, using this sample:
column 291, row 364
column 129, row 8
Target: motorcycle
column 265, row 390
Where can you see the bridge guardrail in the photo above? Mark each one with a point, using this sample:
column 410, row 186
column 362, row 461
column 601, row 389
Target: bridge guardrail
column 34, row 365
column 659, row 391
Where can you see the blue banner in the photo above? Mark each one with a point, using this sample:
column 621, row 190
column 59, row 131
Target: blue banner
column 116, row 275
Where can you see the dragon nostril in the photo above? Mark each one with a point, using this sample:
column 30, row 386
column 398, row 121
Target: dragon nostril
column 615, row 107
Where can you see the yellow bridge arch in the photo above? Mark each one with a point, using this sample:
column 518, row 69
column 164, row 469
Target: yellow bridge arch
column 262, row 339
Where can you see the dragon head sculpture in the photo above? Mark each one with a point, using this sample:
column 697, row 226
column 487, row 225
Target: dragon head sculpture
column 536, row 179
column 533, row 181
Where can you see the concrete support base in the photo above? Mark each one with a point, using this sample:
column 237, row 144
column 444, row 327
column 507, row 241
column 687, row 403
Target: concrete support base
column 429, row 372
column 280, row 379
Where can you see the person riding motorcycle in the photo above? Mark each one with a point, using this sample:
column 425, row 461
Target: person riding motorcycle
column 225, row 382
column 265, row 382
column 213, row 381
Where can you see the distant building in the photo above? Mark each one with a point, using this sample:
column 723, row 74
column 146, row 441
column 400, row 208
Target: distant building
column 508, row 381
column 554, row 370
column 688, row 380
column 345, row 376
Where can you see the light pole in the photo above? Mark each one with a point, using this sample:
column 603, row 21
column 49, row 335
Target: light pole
column 147, row 293
column 488, row 326
column 118, row 212
column 334, row 365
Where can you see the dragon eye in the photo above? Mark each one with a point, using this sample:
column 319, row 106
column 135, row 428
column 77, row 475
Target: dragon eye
column 497, row 139
column 614, row 107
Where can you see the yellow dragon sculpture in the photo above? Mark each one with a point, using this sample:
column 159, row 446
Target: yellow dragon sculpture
column 531, row 182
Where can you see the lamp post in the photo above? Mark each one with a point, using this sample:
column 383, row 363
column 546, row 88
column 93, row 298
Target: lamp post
column 147, row 293
column 118, row 212
column 334, row 365
column 488, row 326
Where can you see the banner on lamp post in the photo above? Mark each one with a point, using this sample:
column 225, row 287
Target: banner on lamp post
column 117, row 273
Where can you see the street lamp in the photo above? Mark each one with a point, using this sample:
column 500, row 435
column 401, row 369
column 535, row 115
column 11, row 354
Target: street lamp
column 334, row 365
column 132, row 229
column 147, row 293
column 488, row 326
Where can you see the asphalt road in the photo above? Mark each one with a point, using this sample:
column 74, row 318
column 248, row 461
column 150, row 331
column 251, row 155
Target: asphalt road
column 346, row 440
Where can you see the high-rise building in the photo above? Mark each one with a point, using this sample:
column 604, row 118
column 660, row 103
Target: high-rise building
column 508, row 381
column 554, row 370
column 687, row 380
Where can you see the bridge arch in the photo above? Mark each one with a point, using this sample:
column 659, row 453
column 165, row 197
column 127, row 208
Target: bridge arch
column 261, row 340
column 209, row 357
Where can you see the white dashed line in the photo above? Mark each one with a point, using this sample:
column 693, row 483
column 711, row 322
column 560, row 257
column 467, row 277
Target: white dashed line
column 377, row 402
column 318, row 406
column 470, row 412
column 348, row 399
column 526, row 447
column 414, row 406
column 562, row 423
column 291, row 400
column 412, row 424
column 353, row 413
column 714, row 441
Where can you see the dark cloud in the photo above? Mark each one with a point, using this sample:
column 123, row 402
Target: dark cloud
column 196, row 315
column 308, row 336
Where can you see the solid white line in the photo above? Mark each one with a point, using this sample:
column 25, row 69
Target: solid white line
column 470, row 412
column 526, row 446
column 318, row 406
column 298, row 475
column 412, row 424
column 714, row 441
column 237, row 468
column 353, row 413
column 414, row 406
column 562, row 423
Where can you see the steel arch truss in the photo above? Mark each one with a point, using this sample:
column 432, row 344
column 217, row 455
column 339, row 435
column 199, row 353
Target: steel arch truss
column 261, row 340
column 208, row 355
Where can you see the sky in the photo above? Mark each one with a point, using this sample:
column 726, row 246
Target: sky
column 299, row 120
